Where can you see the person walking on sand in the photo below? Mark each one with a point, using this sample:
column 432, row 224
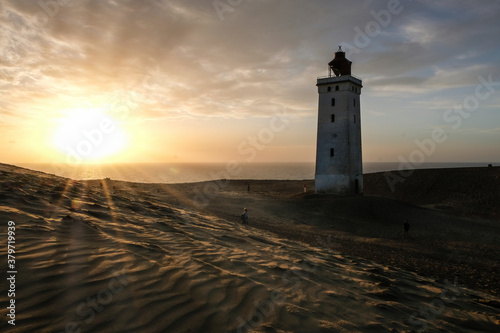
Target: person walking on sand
column 244, row 216
column 406, row 229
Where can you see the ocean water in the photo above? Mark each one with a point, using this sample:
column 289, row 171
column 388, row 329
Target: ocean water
column 194, row 172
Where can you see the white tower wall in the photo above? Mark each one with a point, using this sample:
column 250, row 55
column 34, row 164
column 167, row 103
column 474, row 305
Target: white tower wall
column 339, row 165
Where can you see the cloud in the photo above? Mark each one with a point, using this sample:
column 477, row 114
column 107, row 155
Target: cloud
column 162, row 59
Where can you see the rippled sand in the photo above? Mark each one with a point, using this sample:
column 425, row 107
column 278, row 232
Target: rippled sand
column 91, row 258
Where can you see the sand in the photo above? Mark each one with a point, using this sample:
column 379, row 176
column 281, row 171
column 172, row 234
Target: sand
column 111, row 256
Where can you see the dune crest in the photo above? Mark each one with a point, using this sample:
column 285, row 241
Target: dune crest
column 94, row 259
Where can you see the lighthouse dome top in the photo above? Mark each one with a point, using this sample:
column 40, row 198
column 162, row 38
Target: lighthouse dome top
column 340, row 65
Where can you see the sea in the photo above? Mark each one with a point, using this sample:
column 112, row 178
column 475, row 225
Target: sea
column 197, row 172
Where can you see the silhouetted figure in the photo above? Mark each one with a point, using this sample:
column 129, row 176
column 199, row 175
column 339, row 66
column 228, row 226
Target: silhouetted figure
column 406, row 229
column 244, row 216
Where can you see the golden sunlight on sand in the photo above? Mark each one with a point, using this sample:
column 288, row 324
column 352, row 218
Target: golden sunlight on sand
column 112, row 256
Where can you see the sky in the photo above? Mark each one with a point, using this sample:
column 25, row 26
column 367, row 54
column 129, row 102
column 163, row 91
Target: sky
column 104, row 81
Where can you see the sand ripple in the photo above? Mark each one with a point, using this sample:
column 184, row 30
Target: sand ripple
column 120, row 266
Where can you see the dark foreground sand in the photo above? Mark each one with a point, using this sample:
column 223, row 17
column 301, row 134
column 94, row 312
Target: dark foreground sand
column 110, row 256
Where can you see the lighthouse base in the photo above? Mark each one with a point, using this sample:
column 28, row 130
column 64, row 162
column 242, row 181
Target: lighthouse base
column 338, row 184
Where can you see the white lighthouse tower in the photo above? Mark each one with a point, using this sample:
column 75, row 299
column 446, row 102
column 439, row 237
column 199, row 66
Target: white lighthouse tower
column 339, row 164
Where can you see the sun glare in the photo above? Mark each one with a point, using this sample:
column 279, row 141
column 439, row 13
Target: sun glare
column 88, row 135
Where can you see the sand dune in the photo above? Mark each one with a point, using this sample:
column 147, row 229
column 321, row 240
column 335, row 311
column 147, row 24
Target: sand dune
column 466, row 191
column 104, row 256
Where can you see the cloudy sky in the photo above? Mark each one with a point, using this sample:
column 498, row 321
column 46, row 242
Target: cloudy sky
column 212, row 81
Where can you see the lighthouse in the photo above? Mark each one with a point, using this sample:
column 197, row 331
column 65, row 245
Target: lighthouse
column 339, row 164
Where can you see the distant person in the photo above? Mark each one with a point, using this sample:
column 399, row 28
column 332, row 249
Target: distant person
column 406, row 229
column 305, row 188
column 244, row 216
column 248, row 187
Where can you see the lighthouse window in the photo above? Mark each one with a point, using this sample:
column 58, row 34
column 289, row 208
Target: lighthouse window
column 336, row 88
column 329, row 89
column 354, row 102
column 333, row 101
column 333, row 118
column 331, row 152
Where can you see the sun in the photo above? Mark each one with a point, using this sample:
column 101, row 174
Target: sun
column 88, row 135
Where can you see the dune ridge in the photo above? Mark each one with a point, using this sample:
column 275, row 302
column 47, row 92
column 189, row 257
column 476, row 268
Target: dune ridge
column 104, row 256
